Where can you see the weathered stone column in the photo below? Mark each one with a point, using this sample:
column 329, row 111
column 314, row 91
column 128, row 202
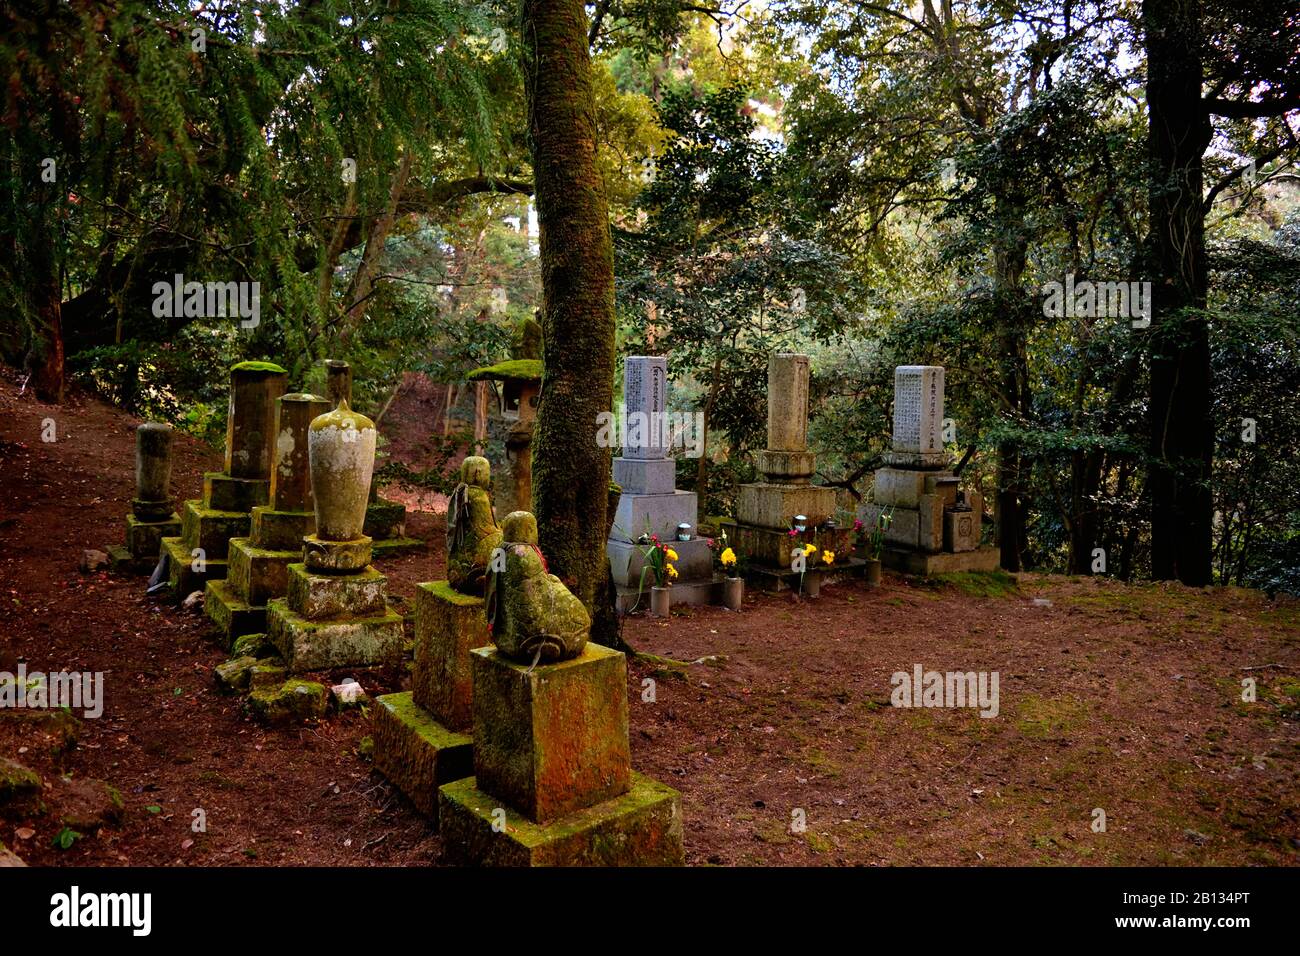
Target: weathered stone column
column 153, row 472
column 338, row 382
column 250, row 423
column 291, row 477
column 787, row 402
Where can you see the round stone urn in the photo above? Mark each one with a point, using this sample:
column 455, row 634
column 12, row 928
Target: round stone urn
column 341, row 448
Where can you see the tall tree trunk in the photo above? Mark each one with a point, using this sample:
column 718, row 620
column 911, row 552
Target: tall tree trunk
column 571, row 472
column 1182, row 432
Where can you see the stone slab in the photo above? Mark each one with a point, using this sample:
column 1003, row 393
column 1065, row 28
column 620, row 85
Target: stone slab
column 767, row 505
column 281, row 530
column 961, row 531
column 230, row 614
column 341, row 642
column 144, row 538
column 916, row 562
column 776, row 579
column 901, row 487
column 653, row 514
column 642, row 827
column 645, row 397
column 767, row 547
column 646, row 476
column 627, row 562
column 183, row 579
column 224, row 493
column 552, row 739
column 388, row 547
column 689, row 593
column 416, row 753
column 121, row 561
column 319, row 597
column 448, row 625
column 210, row 529
column 256, row 574
column 918, row 410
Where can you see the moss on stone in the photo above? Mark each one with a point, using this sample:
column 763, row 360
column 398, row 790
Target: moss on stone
column 17, row 781
column 293, row 700
column 443, row 591
column 511, row 370
column 256, row 366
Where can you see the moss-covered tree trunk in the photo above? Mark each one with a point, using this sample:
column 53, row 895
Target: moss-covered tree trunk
column 571, row 473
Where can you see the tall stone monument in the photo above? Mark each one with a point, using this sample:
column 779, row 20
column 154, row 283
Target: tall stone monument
column 934, row 526
column 151, row 518
column 422, row 736
column 766, row 510
column 258, row 567
column 650, row 503
column 336, row 611
column 207, row 524
column 553, row 783
column 519, row 385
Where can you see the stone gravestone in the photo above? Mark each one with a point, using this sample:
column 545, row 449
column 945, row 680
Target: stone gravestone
column 553, row 782
column 650, row 503
column 207, row 525
column 336, row 610
column 258, row 567
column 765, row 510
column 151, row 518
column 934, row 527
column 422, row 736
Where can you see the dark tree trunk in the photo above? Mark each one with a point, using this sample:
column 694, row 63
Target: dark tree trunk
column 1182, row 431
column 571, row 473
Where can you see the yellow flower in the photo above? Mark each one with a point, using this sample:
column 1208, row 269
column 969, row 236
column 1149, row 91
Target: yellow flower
column 672, row 571
column 728, row 557
column 672, row 555
column 809, row 549
column 828, row 557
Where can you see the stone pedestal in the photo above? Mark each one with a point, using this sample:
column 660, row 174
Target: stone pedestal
column 933, row 527
column 553, row 784
column 257, row 565
column 334, row 620
column 422, row 737
column 765, row 510
column 151, row 518
column 207, row 524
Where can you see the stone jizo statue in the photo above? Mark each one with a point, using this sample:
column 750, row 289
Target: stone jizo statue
column 472, row 532
column 531, row 615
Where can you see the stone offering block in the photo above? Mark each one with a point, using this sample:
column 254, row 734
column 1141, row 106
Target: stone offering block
column 223, row 493
column 927, row 565
column 653, row 514
column 961, row 531
column 551, row 740
column 773, row 506
column 627, row 561
column 642, row 827
column 281, row 530
column 336, row 557
column 211, row 530
column 448, row 625
column 322, row 596
column 308, row 645
column 183, row 578
column 646, row 476
column 772, row 547
column 416, row 753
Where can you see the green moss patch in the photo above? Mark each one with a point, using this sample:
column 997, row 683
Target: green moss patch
column 512, row 370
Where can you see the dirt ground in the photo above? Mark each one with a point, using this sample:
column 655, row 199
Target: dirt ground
column 1126, row 699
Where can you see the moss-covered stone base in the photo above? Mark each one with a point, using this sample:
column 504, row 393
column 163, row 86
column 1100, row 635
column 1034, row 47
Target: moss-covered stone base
column 144, row 538
column 308, row 645
column 387, row 547
column 121, row 561
column 212, row 529
column 416, row 753
column 294, row 700
column 771, row 547
column 231, row 617
column 183, row 578
column 257, row 574
column 224, row 493
column 281, row 530
column 385, row 519
column 642, row 827
column 551, row 739
column 319, row 596
column 448, row 625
